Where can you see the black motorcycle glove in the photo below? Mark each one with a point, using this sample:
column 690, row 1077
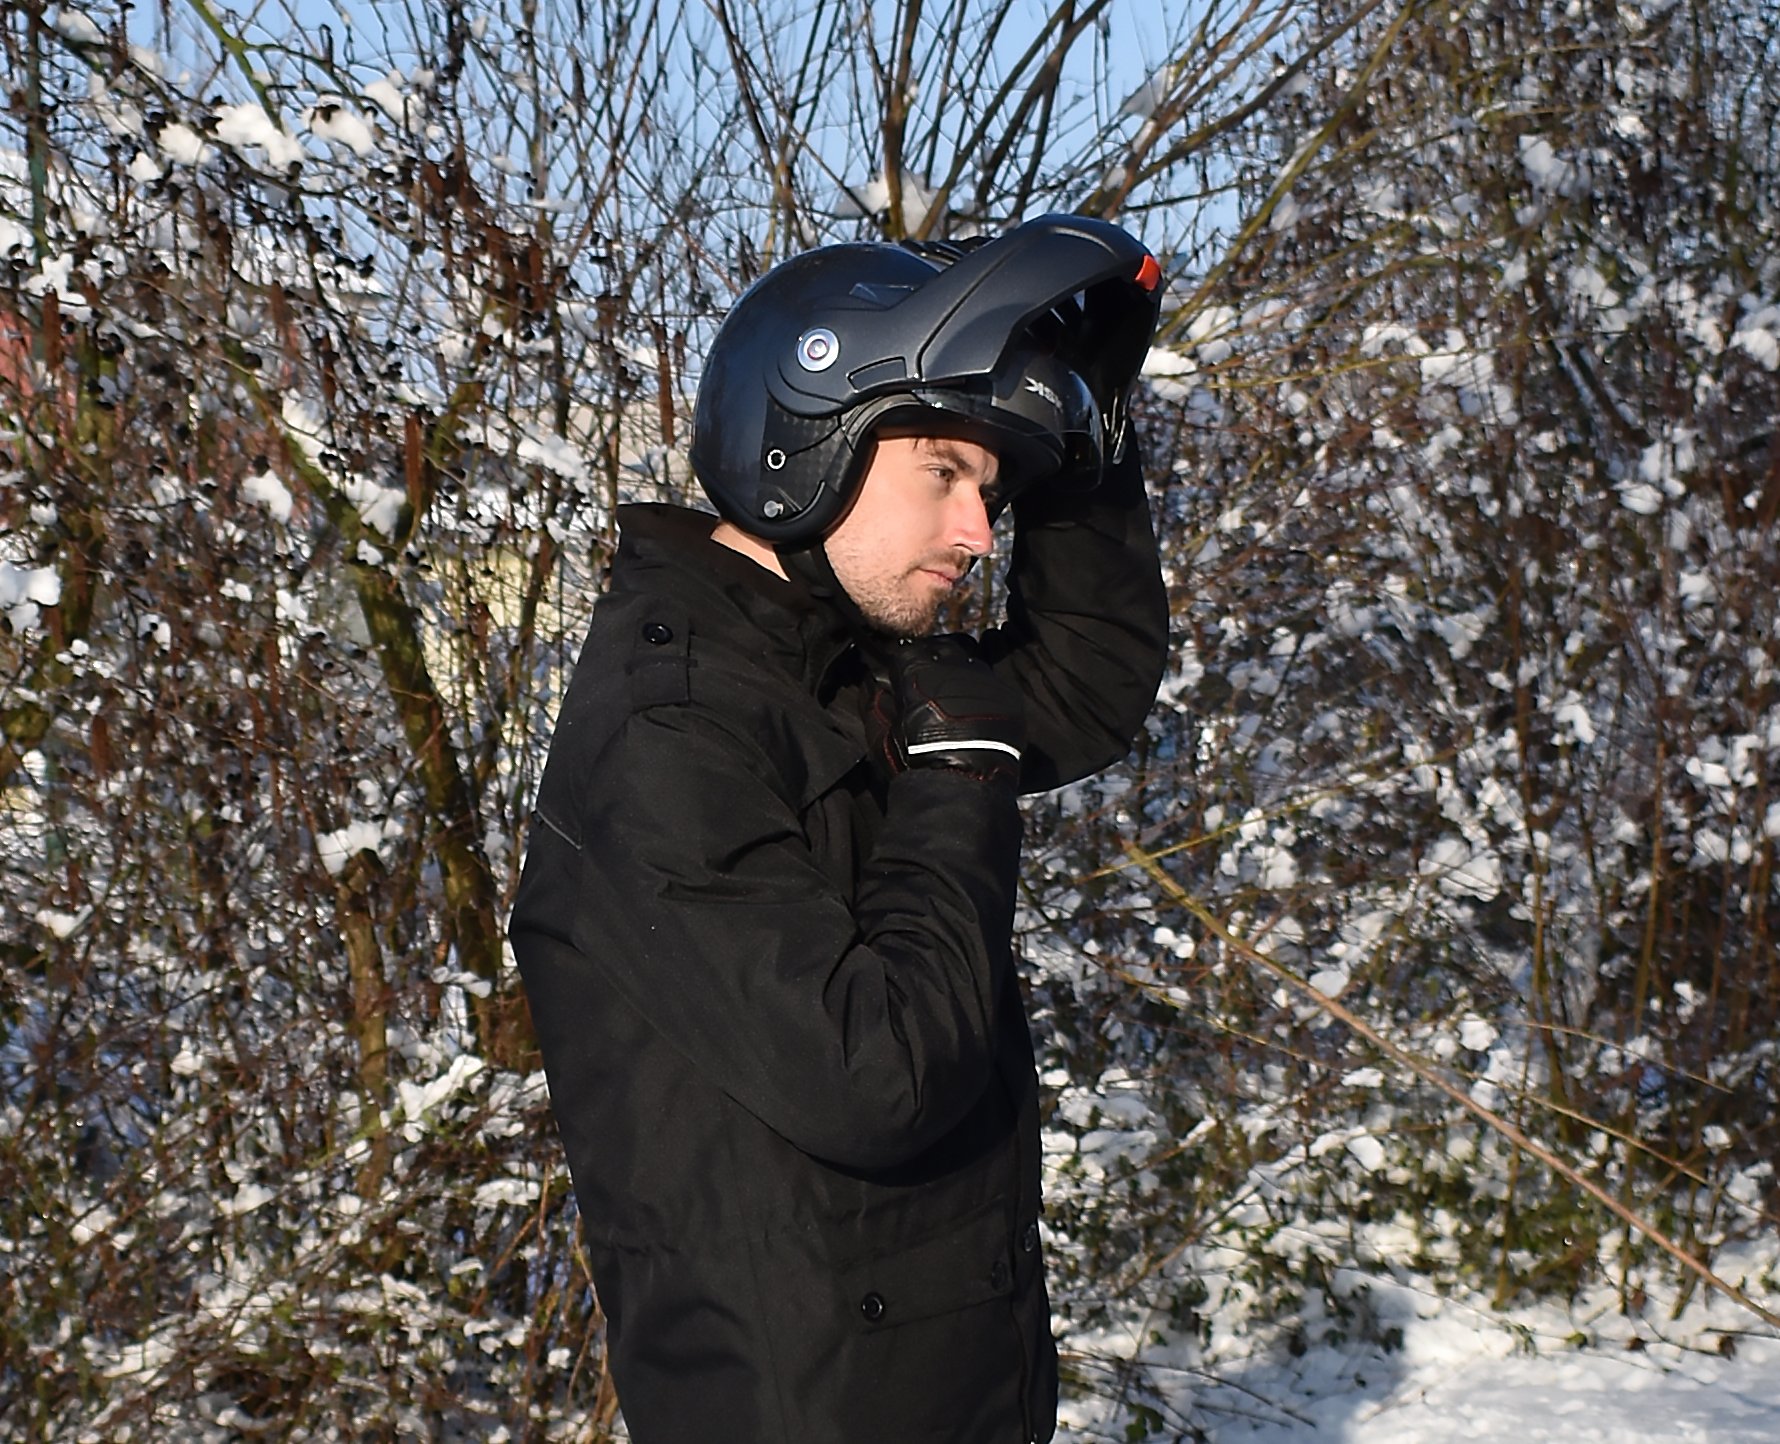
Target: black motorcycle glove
column 951, row 710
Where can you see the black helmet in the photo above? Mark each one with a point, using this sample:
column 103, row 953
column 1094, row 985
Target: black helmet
column 1028, row 342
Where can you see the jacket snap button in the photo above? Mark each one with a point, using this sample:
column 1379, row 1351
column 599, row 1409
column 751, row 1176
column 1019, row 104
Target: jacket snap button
column 872, row 1306
column 998, row 1276
column 1029, row 1239
column 658, row 634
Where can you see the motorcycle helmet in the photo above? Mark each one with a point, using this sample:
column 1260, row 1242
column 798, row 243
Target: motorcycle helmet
column 1028, row 342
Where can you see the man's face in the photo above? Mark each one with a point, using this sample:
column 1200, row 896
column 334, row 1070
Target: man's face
column 920, row 519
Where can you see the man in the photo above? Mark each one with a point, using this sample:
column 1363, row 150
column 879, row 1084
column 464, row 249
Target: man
column 765, row 919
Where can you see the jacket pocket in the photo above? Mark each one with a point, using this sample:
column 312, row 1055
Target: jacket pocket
column 971, row 1263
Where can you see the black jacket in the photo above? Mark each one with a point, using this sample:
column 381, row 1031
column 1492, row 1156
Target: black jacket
column 773, row 988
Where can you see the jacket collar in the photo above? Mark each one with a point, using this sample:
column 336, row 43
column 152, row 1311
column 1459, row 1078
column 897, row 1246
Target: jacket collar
column 671, row 547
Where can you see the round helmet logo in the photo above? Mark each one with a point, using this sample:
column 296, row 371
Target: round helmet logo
column 817, row 350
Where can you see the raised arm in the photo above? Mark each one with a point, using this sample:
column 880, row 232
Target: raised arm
column 1086, row 636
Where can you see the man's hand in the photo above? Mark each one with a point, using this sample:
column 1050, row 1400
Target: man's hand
column 951, row 710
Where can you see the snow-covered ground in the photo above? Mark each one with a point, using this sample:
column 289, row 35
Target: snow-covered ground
column 1544, row 1374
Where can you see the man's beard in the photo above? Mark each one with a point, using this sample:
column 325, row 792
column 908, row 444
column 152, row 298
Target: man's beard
column 907, row 605
column 898, row 613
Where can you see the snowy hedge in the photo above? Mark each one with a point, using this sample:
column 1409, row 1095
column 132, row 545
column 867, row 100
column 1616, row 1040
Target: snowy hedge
column 323, row 361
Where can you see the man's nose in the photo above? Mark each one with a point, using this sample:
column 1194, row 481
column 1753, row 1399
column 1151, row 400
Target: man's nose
column 970, row 527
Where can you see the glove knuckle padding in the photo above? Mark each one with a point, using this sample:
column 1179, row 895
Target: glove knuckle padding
column 954, row 711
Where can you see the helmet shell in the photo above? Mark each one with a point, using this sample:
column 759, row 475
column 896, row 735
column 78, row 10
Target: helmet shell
column 1000, row 341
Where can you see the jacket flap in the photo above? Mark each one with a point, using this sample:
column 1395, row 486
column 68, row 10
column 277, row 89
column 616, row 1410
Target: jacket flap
column 808, row 744
column 659, row 664
column 828, row 756
column 968, row 1265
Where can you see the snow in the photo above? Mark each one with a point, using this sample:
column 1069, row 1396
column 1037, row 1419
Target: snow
column 872, row 198
column 1549, row 171
column 1577, row 1399
column 1160, row 361
column 405, row 110
column 1376, row 335
column 1468, row 1387
column 331, row 119
column 1278, row 868
column 248, row 1197
column 25, row 591
column 79, row 27
column 249, row 125
column 268, row 491
column 498, row 1191
column 62, row 924
column 535, row 444
column 1759, row 336
column 1572, row 715
column 1711, row 774
column 95, row 1223
column 339, row 847
column 416, row 1100
column 1147, row 99
column 379, row 506
column 1541, row 1373
column 1381, row 197
column 1210, row 321
column 304, row 422
column 1662, row 462
column 1462, row 871
column 1368, row 1151
column 1462, row 632
column 181, row 144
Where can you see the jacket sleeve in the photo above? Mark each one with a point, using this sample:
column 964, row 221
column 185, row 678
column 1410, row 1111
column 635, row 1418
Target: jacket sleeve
column 1086, row 635
column 860, row 1033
